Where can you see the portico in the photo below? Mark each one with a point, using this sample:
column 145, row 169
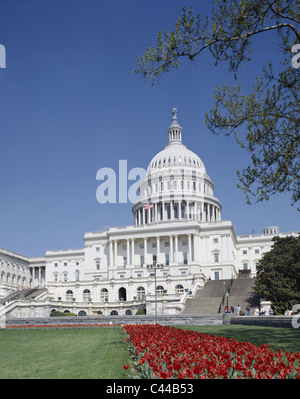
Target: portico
column 166, row 248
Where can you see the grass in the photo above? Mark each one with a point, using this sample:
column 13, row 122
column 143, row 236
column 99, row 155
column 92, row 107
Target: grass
column 63, row 354
column 101, row 353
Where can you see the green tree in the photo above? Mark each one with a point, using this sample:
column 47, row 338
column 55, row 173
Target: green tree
column 278, row 273
column 266, row 122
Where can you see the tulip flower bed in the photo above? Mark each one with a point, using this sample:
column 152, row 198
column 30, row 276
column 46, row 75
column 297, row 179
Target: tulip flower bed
column 168, row 352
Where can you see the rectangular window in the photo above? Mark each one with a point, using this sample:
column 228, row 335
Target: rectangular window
column 245, row 265
column 98, row 264
column 216, row 257
column 215, row 240
column 185, row 258
column 245, row 252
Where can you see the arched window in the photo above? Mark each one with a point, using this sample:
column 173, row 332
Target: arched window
column 103, row 295
column 140, row 293
column 159, row 290
column 69, row 295
column 179, row 289
column 86, row 295
column 81, row 313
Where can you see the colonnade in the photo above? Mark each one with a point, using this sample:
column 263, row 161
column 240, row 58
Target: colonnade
column 177, row 210
column 37, row 276
column 137, row 251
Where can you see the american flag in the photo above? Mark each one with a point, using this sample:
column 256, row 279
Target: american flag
column 148, row 206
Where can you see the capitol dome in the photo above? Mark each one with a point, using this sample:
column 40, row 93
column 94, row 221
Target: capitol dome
column 175, row 153
column 176, row 185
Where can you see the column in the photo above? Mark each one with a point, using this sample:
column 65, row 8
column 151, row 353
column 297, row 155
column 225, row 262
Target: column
column 190, row 247
column 163, row 211
column 187, row 210
column 172, row 209
column 110, row 252
column 145, row 250
column 171, row 249
column 128, row 251
column 179, row 210
column 158, row 249
column 143, row 210
column 132, row 251
column 196, row 247
column 176, row 249
column 115, row 252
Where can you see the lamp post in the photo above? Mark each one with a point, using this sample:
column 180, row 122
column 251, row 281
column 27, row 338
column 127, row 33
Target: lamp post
column 154, row 267
column 227, row 296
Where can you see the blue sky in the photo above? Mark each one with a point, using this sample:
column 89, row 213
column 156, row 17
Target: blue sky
column 70, row 105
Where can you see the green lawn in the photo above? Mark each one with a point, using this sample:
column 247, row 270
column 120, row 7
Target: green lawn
column 101, row 353
column 87, row 353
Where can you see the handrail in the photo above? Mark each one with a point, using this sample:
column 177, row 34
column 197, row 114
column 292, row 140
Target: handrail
column 31, row 291
column 224, row 295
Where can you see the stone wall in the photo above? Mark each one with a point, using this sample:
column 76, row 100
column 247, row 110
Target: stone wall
column 206, row 319
column 263, row 321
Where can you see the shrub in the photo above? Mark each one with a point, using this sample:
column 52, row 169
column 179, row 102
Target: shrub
column 57, row 313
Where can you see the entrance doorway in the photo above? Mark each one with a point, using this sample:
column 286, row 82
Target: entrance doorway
column 122, row 294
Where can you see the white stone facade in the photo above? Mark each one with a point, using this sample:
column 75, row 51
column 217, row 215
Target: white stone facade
column 180, row 228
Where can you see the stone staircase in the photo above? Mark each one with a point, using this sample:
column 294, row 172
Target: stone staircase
column 25, row 294
column 242, row 293
column 207, row 300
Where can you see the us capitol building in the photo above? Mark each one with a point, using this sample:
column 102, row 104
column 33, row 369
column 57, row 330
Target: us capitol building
column 178, row 241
